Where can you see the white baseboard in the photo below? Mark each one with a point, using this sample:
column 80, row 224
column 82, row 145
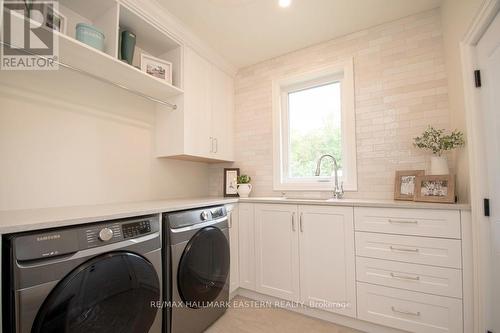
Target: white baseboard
column 319, row 314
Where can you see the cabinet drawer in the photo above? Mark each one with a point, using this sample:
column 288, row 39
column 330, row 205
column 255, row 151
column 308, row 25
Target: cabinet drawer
column 417, row 250
column 417, row 222
column 421, row 278
column 408, row 310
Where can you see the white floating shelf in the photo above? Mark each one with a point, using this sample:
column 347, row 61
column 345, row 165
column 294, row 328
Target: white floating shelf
column 84, row 59
column 99, row 64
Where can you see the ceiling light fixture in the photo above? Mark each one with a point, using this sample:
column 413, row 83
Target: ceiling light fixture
column 285, row 3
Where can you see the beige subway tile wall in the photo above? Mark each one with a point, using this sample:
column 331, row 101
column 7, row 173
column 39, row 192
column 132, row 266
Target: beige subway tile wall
column 401, row 87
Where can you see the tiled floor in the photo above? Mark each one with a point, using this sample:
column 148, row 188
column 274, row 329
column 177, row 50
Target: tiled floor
column 271, row 320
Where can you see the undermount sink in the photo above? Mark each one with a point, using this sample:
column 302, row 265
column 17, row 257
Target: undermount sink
column 309, row 199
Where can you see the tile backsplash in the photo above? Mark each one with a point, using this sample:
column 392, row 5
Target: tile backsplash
column 401, row 87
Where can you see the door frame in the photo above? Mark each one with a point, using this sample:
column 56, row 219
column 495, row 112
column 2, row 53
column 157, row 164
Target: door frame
column 478, row 184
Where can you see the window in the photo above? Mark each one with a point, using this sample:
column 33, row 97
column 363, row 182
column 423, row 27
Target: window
column 314, row 116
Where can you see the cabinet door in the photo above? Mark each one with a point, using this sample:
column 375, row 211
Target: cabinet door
column 197, row 105
column 222, row 94
column 246, row 246
column 327, row 263
column 277, row 255
column 234, row 279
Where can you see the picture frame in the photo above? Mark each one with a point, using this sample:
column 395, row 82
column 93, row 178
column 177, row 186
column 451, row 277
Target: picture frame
column 404, row 185
column 231, row 182
column 54, row 20
column 438, row 189
column 158, row 68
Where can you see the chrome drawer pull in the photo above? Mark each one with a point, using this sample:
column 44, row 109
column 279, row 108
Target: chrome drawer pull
column 403, row 221
column 405, row 277
column 293, row 222
column 405, row 312
column 403, row 249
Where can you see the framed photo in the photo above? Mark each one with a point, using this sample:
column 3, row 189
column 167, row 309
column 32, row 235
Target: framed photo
column 435, row 189
column 54, row 20
column 158, row 68
column 231, row 182
column 404, row 186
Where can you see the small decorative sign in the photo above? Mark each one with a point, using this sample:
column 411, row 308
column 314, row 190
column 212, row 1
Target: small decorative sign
column 231, row 182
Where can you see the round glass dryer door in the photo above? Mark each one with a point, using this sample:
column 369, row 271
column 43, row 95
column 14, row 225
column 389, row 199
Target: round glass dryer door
column 109, row 293
column 204, row 267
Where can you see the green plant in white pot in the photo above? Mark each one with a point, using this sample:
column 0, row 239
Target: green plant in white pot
column 438, row 142
column 244, row 186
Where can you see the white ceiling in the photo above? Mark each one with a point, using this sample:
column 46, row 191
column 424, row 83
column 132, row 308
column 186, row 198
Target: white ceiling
column 245, row 32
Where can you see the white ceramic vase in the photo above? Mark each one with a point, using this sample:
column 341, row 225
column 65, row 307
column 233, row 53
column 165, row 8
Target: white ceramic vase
column 439, row 165
column 244, row 190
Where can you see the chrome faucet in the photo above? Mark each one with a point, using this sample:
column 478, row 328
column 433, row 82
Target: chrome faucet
column 338, row 191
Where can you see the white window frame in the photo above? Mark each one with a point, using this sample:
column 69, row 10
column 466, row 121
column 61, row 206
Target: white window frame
column 342, row 72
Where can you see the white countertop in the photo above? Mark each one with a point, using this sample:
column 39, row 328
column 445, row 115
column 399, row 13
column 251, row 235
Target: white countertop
column 43, row 218
column 357, row 203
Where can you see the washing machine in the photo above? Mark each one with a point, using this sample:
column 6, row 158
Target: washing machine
column 93, row 278
column 196, row 268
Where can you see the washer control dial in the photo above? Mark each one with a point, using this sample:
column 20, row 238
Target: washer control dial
column 204, row 215
column 105, row 234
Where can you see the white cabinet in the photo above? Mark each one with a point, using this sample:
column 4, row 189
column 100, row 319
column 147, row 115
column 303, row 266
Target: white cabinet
column 397, row 276
column 306, row 253
column 197, row 104
column 222, row 102
column 277, row 251
column 233, row 219
column 202, row 127
column 327, row 261
column 409, row 269
column 246, row 242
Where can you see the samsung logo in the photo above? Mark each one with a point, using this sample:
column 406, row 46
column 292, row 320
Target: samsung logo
column 48, row 237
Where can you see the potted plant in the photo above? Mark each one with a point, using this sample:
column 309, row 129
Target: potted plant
column 438, row 142
column 244, row 186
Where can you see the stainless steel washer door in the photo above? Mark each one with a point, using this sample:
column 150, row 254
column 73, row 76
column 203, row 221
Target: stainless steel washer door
column 109, row 293
column 203, row 268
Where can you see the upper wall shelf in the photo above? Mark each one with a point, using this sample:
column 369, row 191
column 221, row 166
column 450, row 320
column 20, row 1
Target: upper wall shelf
column 111, row 17
column 99, row 64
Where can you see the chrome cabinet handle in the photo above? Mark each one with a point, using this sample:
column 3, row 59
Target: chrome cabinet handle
column 405, row 277
column 230, row 220
column 405, row 312
column 393, row 248
column 216, row 145
column 293, row 222
column 403, row 221
column 300, row 223
column 211, row 144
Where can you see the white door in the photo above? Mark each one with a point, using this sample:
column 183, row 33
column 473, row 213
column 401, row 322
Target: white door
column 222, row 91
column 277, row 250
column 246, row 249
column 327, row 263
column 197, row 105
column 488, row 55
column 234, row 277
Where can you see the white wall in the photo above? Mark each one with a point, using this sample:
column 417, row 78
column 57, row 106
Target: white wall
column 457, row 16
column 66, row 139
column 401, row 87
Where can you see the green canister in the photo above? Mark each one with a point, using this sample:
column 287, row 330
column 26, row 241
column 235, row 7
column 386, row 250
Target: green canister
column 127, row 46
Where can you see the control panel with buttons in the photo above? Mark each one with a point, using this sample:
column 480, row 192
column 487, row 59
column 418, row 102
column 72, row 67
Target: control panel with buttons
column 135, row 229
